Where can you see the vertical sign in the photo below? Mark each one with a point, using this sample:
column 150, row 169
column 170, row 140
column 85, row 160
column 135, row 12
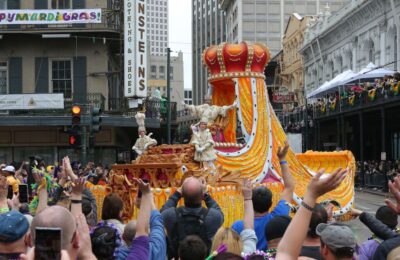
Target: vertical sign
column 129, row 48
column 141, row 46
column 135, row 46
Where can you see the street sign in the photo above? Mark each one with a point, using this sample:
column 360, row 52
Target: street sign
column 280, row 98
column 135, row 49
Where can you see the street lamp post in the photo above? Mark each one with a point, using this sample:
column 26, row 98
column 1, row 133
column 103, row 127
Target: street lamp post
column 168, row 96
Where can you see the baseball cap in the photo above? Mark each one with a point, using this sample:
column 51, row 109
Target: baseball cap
column 276, row 227
column 9, row 168
column 13, row 226
column 336, row 236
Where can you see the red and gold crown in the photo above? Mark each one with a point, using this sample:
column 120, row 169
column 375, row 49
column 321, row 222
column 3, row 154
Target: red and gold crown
column 236, row 60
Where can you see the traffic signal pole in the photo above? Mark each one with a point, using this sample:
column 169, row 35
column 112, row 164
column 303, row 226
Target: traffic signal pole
column 84, row 147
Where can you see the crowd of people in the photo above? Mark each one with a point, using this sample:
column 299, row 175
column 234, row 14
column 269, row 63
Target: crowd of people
column 347, row 96
column 375, row 174
column 385, row 87
column 63, row 203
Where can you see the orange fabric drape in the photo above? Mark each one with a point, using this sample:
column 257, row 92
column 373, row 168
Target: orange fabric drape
column 224, row 95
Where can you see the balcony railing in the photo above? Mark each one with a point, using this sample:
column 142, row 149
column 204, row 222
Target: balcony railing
column 361, row 100
column 110, row 22
column 155, row 109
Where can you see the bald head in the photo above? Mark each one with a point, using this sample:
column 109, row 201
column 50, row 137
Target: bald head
column 192, row 192
column 56, row 217
column 129, row 232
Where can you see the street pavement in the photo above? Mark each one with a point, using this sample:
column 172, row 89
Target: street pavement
column 366, row 202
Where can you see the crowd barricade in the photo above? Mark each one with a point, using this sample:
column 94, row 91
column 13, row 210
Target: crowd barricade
column 376, row 180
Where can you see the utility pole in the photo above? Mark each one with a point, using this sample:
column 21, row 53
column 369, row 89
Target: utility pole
column 168, row 96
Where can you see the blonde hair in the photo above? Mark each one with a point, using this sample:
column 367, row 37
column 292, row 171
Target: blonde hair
column 230, row 238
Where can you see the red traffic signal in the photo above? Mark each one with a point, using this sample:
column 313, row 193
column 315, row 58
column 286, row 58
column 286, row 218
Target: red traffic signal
column 72, row 140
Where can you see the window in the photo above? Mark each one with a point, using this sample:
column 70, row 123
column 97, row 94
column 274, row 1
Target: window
column 153, row 71
column 61, row 77
column 3, row 4
column 60, row 4
column 162, row 72
column 3, row 77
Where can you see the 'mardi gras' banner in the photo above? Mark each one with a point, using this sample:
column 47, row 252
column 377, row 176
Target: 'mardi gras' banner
column 50, row 16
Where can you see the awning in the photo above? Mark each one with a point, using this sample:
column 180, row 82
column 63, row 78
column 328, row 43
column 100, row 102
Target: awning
column 369, row 72
column 331, row 85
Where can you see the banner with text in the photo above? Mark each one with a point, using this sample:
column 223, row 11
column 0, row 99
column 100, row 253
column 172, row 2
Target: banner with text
column 135, row 44
column 31, row 101
column 50, row 16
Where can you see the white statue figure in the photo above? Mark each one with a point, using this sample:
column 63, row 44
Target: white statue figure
column 209, row 112
column 203, row 142
column 144, row 141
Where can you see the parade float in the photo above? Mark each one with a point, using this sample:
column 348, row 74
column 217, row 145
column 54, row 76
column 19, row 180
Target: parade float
column 238, row 109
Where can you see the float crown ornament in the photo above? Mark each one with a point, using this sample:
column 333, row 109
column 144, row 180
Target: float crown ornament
column 236, row 60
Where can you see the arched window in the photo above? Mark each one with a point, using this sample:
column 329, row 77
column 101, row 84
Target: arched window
column 371, row 52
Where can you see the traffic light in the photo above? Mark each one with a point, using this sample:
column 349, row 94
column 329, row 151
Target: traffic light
column 75, row 132
column 95, row 125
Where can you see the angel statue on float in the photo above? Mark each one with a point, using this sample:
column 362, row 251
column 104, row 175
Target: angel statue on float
column 207, row 111
column 204, row 144
column 144, row 141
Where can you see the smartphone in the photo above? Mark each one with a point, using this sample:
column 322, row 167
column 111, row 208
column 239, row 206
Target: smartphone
column 10, row 192
column 48, row 243
column 23, row 193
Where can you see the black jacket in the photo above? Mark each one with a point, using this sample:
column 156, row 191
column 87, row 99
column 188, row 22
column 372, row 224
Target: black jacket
column 391, row 238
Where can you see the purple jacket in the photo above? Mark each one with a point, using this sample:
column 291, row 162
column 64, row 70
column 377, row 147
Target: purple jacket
column 367, row 249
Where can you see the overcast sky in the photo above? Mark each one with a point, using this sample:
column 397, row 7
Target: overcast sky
column 180, row 34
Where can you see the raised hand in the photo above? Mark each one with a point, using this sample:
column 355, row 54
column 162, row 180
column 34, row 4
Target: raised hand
column 355, row 212
column 319, row 186
column 203, row 184
column 283, row 151
column 14, row 202
column 85, row 244
column 247, row 189
column 143, row 187
column 38, row 177
column 394, row 188
column 3, row 188
column 78, row 186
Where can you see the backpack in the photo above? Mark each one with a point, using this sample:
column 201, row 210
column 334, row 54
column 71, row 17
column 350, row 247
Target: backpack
column 188, row 223
column 105, row 241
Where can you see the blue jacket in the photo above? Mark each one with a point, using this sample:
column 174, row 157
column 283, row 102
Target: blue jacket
column 158, row 243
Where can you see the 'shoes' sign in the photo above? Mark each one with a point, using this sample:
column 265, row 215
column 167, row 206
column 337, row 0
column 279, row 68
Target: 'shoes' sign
column 50, row 16
column 135, row 48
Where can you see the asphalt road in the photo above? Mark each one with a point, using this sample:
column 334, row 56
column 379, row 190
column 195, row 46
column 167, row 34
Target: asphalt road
column 368, row 203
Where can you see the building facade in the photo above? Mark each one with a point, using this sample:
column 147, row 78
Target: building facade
column 344, row 43
column 264, row 21
column 292, row 65
column 360, row 33
column 208, row 28
column 157, row 82
column 79, row 61
column 157, row 26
